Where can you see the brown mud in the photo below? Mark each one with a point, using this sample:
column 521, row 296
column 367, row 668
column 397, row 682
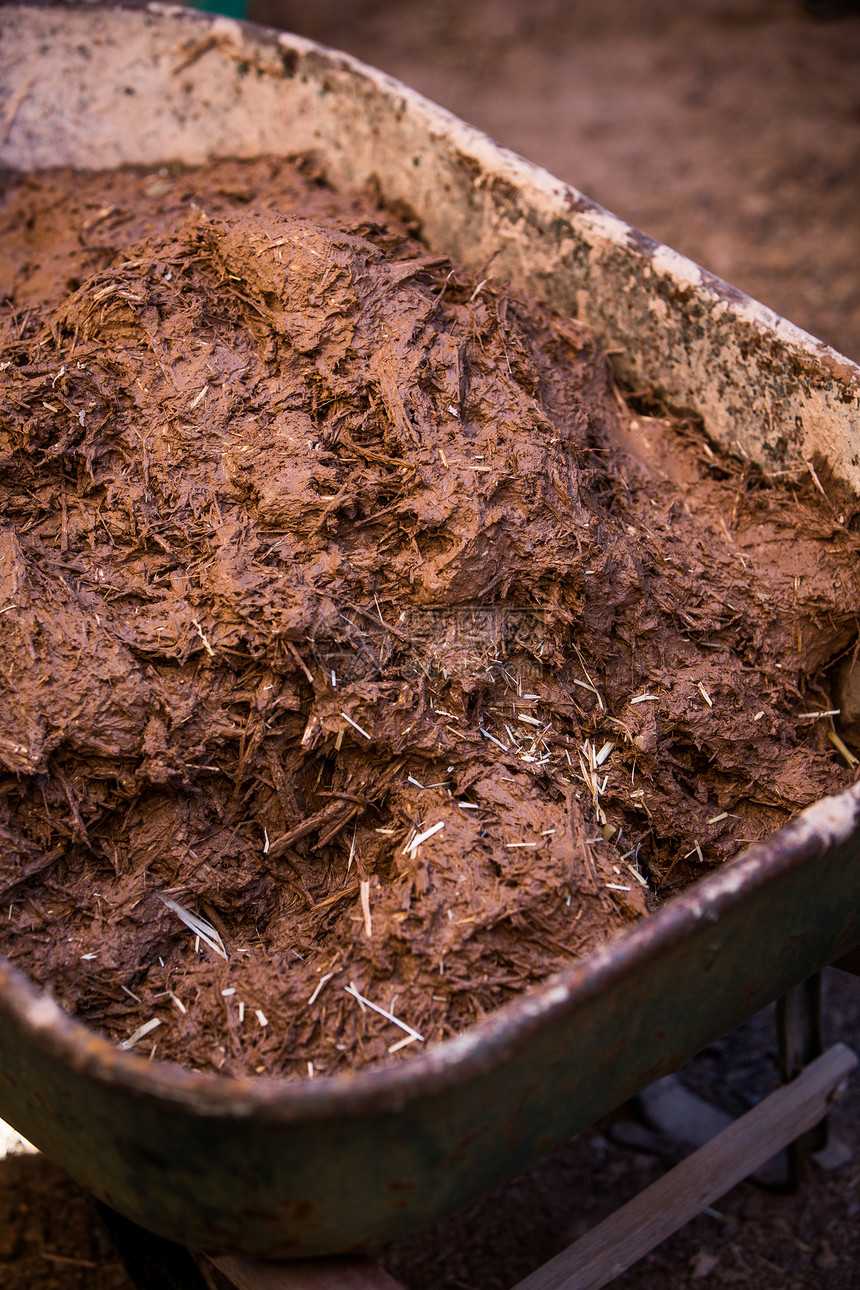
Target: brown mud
column 312, row 542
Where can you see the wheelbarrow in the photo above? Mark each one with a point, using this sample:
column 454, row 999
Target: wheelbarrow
column 279, row 1169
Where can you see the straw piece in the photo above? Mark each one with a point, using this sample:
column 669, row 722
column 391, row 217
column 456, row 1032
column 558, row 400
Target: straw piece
column 209, row 650
column 383, row 1012
column 364, row 897
column 705, row 695
column 422, row 837
column 319, row 985
column 843, row 749
column 199, row 926
column 591, row 684
column 493, row 739
column 355, row 725
column 141, row 1033
column 402, row 1043
column 298, row 659
column 583, row 685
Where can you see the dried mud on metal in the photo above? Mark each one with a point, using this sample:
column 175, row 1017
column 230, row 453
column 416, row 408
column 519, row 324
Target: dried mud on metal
column 366, row 655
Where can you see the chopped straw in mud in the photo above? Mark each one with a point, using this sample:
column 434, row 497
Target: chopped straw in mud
column 141, row 1033
column 199, row 926
column 402, row 1043
column 322, row 981
column 842, row 748
column 422, row 837
column 269, row 520
column 355, row 725
column 364, row 1002
column 364, row 898
column 493, row 739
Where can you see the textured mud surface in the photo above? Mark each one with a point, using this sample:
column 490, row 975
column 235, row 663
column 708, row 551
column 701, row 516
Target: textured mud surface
column 348, row 607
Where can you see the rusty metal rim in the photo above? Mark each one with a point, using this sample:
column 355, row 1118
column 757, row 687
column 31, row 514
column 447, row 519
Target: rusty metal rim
column 829, row 822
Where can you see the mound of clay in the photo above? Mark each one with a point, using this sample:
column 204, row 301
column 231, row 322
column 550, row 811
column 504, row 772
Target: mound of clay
column 357, row 638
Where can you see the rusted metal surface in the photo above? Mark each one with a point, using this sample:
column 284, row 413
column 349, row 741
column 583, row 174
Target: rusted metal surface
column 288, row 1170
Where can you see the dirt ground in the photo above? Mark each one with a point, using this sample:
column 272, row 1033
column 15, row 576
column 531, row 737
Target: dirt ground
column 732, row 132
column 728, row 129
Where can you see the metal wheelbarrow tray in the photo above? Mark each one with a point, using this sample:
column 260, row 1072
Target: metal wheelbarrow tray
column 281, row 1169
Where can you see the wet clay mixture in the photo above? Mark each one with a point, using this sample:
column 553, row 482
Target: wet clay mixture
column 357, row 637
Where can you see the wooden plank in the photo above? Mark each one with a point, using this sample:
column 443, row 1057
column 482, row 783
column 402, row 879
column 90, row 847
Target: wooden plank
column 306, row 1274
column 659, row 1210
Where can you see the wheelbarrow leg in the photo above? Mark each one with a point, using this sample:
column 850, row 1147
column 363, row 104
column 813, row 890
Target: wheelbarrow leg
column 798, row 1024
column 151, row 1262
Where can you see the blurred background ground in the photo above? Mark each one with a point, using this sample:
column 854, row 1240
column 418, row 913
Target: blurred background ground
column 729, row 129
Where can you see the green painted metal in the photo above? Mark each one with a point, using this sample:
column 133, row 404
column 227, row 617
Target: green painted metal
column 229, row 8
column 286, row 1170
